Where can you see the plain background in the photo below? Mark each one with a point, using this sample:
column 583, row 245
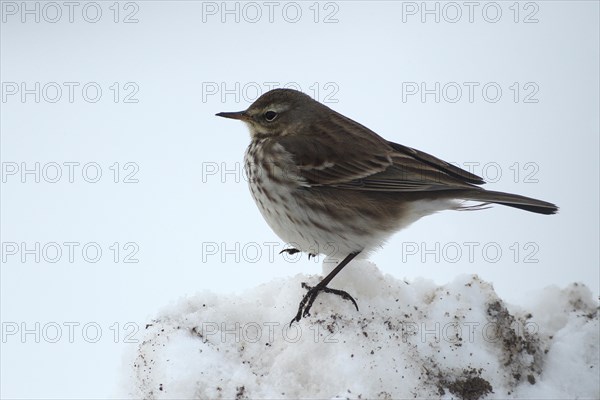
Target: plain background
column 190, row 219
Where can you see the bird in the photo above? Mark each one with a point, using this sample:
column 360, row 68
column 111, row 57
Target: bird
column 326, row 184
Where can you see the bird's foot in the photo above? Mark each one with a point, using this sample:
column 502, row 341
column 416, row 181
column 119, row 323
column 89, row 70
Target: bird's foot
column 294, row 251
column 289, row 251
column 311, row 295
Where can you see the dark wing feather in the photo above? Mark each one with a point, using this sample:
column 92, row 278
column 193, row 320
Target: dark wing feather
column 333, row 153
column 344, row 154
column 440, row 164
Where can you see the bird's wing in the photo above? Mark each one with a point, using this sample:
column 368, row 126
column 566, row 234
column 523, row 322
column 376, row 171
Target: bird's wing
column 345, row 154
column 439, row 164
column 326, row 160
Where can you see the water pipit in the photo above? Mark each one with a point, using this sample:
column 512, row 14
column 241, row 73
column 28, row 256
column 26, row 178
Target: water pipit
column 328, row 185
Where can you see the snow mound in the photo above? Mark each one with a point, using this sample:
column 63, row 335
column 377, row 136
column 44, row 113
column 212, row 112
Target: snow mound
column 408, row 340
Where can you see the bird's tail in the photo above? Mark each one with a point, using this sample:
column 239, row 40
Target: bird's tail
column 512, row 200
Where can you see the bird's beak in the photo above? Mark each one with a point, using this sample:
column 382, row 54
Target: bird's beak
column 241, row 115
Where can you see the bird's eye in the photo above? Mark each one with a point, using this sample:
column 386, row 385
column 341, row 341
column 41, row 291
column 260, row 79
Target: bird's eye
column 270, row 116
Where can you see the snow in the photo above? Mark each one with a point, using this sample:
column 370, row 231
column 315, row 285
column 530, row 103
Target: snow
column 409, row 340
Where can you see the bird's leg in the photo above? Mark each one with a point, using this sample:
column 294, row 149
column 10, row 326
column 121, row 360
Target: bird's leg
column 313, row 291
column 289, row 251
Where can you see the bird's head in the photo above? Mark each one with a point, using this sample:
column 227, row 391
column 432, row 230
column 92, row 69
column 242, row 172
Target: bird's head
column 278, row 112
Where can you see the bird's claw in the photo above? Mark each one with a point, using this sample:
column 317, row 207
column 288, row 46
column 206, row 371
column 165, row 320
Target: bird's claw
column 289, row 251
column 294, row 251
column 311, row 295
